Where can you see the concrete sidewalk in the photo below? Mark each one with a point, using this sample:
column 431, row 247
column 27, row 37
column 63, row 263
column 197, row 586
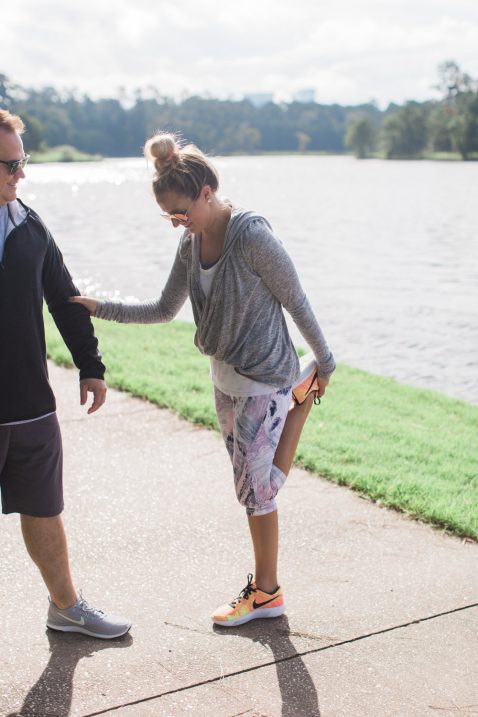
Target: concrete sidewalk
column 382, row 611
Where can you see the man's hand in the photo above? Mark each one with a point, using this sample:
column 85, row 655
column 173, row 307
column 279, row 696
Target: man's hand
column 98, row 388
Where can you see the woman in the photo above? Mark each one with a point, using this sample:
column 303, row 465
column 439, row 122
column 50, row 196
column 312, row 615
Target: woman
column 238, row 277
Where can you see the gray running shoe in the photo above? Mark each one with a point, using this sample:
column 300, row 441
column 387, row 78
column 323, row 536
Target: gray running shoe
column 88, row 620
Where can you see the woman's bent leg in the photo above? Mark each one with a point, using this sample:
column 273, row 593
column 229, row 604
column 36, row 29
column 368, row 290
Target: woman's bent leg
column 290, row 436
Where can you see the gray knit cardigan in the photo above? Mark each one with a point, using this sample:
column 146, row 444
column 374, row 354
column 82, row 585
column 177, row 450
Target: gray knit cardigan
column 241, row 321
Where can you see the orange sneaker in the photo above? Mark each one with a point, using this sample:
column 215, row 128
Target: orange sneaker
column 250, row 604
column 307, row 381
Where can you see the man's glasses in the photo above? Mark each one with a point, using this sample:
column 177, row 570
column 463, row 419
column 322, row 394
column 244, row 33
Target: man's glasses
column 181, row 217
column 15, row 164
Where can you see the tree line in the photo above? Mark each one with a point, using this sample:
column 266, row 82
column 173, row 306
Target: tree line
column 114, row 128
column 447, row 125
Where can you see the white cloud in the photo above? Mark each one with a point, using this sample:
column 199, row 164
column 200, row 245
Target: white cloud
column 349, row 52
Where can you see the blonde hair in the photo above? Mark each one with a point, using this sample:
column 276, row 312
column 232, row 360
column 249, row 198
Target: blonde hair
column 181, row 169
column 11, row 123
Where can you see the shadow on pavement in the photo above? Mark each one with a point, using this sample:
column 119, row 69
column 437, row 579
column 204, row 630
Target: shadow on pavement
column 298, row 693
column 52, row 692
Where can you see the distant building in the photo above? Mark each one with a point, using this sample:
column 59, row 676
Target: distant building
column 258, row 99
column 305, row 95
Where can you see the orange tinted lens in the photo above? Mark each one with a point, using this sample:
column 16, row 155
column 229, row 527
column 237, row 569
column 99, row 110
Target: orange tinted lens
column 180, row 217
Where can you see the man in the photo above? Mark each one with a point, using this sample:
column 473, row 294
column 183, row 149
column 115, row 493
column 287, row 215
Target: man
column 32, row 268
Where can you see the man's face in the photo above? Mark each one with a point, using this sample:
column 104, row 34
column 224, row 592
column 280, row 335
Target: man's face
column 11, row 148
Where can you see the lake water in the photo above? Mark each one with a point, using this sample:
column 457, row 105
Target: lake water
column 387, row 251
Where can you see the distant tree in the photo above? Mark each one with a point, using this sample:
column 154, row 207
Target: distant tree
column 33, row 138
column 303, row 140
column 452, row 80
column 404, row 132
column 453, row 124
column 439, row 127
column 464, row 128
column 242, row 138
column 7, row 92
column 248, row 138
column 360, row 137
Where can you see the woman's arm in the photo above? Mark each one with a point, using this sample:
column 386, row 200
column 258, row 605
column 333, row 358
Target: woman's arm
column 268, row 258
column 161, row 310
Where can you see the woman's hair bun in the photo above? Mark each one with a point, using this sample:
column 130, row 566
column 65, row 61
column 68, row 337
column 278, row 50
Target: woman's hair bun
column 180, row 167
column 162, row 148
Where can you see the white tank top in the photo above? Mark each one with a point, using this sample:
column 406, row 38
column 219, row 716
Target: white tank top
column 223, row 375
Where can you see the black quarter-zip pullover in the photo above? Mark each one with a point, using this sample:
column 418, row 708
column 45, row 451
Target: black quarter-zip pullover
column 32, row 269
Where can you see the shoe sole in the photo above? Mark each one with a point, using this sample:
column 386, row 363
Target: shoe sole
column 67, row 628
column 254, row 615
column 307, row 365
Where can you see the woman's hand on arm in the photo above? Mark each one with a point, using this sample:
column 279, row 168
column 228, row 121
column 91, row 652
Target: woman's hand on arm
column 87, row 302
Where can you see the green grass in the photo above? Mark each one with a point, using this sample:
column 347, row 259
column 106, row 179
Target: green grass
column 413, row 450
column 428, row 155
column 62, row 153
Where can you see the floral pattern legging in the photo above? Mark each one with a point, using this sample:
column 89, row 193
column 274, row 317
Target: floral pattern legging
column 251, row 427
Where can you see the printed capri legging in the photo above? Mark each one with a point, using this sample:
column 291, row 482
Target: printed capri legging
column 251, row 427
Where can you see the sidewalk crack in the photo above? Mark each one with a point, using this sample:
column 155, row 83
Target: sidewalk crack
column 272, row 663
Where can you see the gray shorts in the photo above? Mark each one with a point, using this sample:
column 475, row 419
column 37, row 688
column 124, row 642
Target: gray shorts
column 31, row 461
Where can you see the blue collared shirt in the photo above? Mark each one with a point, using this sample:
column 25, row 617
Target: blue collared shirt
column 3, row 227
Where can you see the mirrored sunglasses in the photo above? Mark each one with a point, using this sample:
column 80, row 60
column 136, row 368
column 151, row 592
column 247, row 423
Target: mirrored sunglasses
column 15, row 164
column 181, row 218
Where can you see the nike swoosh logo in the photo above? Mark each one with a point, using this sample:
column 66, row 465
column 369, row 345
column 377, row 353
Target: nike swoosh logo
column 256, row 604
column 77, row 622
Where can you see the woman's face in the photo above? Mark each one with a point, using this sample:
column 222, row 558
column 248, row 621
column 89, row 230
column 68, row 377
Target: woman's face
column 183, row 211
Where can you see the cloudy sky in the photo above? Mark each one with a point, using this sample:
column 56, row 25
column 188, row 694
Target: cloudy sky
column 348, row 51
